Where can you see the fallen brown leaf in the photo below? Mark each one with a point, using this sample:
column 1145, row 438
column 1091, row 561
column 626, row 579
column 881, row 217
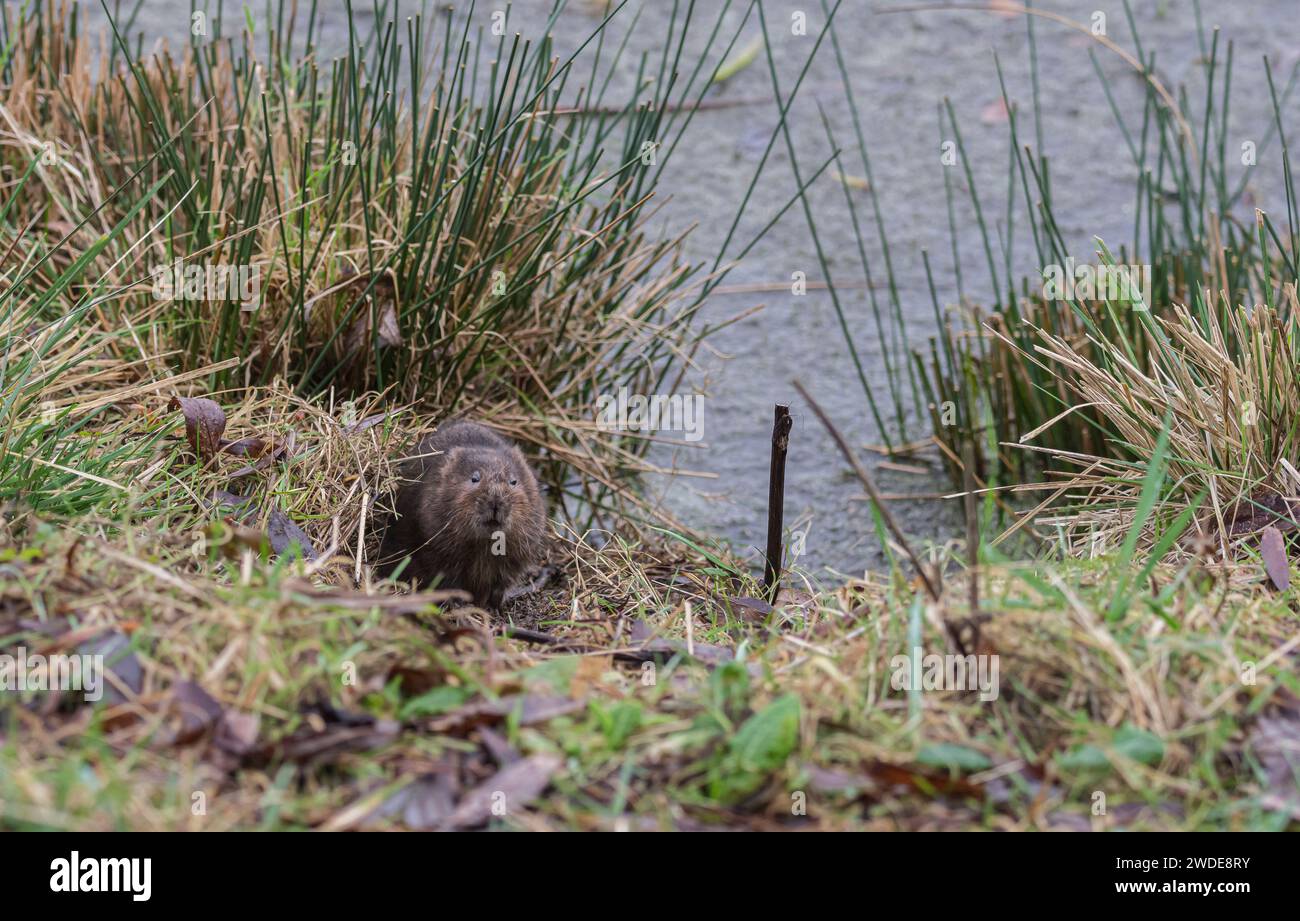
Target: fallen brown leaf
column 535, row 709
column 196, row 710
column 924, row 781
column 284, row 534
column 368, row 422
column 123, row 676
column 421, row 806
column 205, row 423
column 1273, row 549
column 334, row 733
column 266, row 452
column 502, row 752
column 236, row 733
column 1275, row 740
column 281, row 531
column 512, row 789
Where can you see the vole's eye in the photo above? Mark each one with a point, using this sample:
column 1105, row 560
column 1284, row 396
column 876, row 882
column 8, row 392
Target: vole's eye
column 514, row 482
column 475, row 477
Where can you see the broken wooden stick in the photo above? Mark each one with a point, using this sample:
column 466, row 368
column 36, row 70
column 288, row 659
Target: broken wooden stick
column 781, row 424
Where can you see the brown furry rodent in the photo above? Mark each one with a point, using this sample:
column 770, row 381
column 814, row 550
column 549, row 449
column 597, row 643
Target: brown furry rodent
column 468, row 510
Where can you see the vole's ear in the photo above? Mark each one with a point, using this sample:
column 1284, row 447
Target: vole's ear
column 424, row 457
column 519, row 459
column 452, row 458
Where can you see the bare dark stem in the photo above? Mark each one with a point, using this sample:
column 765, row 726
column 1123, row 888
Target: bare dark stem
column 776, row 499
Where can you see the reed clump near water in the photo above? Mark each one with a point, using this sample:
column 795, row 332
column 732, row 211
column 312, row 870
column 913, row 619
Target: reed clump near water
column 465, row 237
column 1062, row 394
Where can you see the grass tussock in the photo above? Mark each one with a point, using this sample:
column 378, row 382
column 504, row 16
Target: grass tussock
column 1215, row 400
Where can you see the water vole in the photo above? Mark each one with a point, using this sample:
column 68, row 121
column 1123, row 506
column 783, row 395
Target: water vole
column 469, row 511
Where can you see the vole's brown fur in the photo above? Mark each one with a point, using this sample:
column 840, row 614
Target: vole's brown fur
column 468, row 510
